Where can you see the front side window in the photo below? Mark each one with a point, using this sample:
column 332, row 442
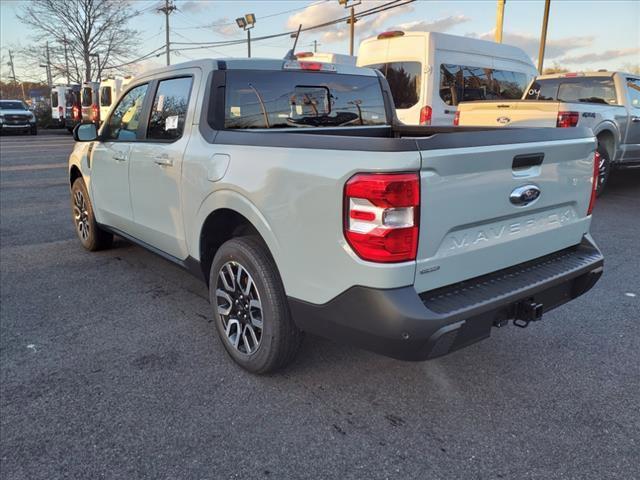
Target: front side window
column 105, row 96
column 460, row 83
column 169, row 109
column 54, row 99
column 87, row 96
column 633, row 87
column 268, row 99
column 404, row 80
column 124, row 121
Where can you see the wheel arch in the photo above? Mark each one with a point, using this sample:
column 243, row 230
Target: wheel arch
column 607, row 137
column 74, row 173
column 234, row 216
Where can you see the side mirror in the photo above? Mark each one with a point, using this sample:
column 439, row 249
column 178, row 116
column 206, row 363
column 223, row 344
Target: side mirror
column 85, row 132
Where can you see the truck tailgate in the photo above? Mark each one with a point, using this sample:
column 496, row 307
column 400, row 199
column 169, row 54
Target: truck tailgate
column 470, row 225
column 521, row 113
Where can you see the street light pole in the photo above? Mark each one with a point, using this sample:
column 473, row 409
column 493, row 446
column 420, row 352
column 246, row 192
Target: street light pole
column 543, row 36
column 499, row 20
column 352, row 22
column 247, row 23
column 249, row 43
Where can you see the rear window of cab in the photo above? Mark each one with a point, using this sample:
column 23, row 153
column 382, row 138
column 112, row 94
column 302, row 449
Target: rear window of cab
column 576, row 89
column 273, row 99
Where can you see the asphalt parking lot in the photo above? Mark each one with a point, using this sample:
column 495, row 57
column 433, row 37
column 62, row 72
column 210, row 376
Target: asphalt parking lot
column 110, row 368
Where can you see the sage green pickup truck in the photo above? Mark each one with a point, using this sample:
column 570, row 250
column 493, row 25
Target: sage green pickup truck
column 292, row 190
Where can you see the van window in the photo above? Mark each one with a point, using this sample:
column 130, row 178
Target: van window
column 460, row 83
column 268, row 99
column 105, row 96
column 54, row 99
column 404, row 80
column 169, row 109
column 575, row 89
column 72, row 98
column 87, row 96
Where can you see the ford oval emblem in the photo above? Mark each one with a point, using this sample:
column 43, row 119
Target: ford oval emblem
column 525, row 195
column 503, row 120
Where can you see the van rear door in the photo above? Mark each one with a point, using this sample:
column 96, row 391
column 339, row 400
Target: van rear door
column 471, row 219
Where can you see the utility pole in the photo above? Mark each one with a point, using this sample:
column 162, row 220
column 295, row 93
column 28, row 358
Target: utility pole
column 66, row 59
column 315, row 46
column 352, row 22
column 13, row 71
column 499, row 20
column 248, row 43
column 543, row 36
column 49, row 76
column 168, row 8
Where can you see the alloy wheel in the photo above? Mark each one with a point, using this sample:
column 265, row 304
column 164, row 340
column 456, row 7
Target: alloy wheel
column 239, row 307
column 81, row 214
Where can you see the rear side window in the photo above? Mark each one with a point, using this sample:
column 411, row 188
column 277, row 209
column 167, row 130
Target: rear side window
column 105, row 97
column 285, row 99
column 54, row 99
column 169, row 109
column 580, row 89
column 404, row 80
column 460, row 83
column 87, row 96
column 633, row 86
column 72, row 98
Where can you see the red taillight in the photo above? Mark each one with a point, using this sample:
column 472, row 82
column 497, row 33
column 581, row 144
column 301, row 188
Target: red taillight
column 567, row 119
column 391, row 34
column 456, row 118
column 95, row 113
column 382, row 216
column 75, row 112
column 594, row 182
column 425, row 115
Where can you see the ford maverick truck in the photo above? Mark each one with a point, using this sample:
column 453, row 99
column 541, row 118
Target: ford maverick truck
column 293, row 191
column 606, row 102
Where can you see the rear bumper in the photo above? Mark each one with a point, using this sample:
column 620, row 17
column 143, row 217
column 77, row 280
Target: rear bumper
column 403, row 324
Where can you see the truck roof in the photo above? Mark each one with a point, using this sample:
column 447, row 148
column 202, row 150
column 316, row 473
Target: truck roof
column 248, row 64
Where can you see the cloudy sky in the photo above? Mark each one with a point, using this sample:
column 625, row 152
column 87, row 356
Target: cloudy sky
column 583, row 34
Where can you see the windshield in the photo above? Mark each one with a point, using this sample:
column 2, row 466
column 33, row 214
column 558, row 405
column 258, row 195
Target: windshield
column 268, row 99
column 12, row 105
column 576, row 89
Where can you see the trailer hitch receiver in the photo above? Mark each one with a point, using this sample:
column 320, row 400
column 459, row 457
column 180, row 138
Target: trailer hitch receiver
column 526, row 312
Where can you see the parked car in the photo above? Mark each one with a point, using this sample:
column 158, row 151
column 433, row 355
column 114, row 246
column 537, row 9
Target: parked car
column 110, row 90
column 326, row 57
column 73, row 110
column 90, row 98
column 430, row 73
column 606, row 102
column 15, row 116
column 291, row 188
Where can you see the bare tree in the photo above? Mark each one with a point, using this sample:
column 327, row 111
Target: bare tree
column 84, row 36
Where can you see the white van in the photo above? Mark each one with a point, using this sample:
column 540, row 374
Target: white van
column 110, row 90
column 59, row 95
column 429, row 73
column 322, row 57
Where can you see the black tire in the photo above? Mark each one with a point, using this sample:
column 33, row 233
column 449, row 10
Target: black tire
column 604, row 170
column 91, row 236
column 34, row 130
column 279, row 338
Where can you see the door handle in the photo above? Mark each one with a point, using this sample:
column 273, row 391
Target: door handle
column 119, row 157
column 163, row 161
